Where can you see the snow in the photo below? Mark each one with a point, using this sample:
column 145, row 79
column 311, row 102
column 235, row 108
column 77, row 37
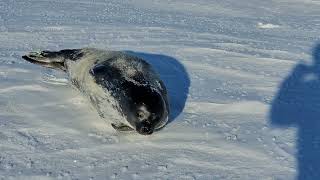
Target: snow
column 267, row 25
column 242, row 77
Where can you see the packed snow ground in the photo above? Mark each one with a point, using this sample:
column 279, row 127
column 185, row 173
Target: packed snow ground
column 242, row 78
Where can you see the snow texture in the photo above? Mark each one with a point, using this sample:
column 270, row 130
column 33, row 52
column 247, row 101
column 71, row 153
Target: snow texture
column 242, row 76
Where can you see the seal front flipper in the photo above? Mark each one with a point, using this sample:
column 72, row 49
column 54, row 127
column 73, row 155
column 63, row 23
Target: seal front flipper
column 53, row 59
column 121, row 127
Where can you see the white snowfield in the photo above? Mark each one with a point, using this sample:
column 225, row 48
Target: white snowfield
column 243, row 80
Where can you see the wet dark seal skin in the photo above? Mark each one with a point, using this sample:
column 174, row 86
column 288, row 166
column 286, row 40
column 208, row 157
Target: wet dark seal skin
column 114, row 79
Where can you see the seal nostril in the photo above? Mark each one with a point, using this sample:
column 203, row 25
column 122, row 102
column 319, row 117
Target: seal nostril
column 145, row 130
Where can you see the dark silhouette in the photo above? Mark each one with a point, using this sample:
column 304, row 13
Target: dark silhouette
column 174, row 76
column 298, row 104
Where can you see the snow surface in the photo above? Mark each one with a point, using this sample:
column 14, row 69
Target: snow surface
column 244, row 96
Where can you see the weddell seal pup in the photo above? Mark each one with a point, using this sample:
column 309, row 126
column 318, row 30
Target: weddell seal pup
column 124, row 89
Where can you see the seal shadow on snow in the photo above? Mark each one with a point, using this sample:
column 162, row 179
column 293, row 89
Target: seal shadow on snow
column 297, row 104
column 174, row 76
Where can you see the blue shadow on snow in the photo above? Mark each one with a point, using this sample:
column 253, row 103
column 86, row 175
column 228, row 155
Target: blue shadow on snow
column 174, row 76
column 298, row 104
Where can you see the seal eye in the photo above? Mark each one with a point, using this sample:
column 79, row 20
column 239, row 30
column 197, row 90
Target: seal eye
column 140, row 114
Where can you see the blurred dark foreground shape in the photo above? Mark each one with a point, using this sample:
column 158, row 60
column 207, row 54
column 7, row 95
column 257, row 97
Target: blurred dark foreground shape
column 297, row 104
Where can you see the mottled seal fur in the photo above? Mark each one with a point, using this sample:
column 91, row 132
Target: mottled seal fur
column 124, row 89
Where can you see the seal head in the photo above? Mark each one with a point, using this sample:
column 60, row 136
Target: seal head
column 147, row 109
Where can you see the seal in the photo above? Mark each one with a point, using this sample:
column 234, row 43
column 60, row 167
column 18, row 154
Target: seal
column 124, row 89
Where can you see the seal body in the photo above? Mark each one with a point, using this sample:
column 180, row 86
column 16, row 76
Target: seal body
column 124, row 89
